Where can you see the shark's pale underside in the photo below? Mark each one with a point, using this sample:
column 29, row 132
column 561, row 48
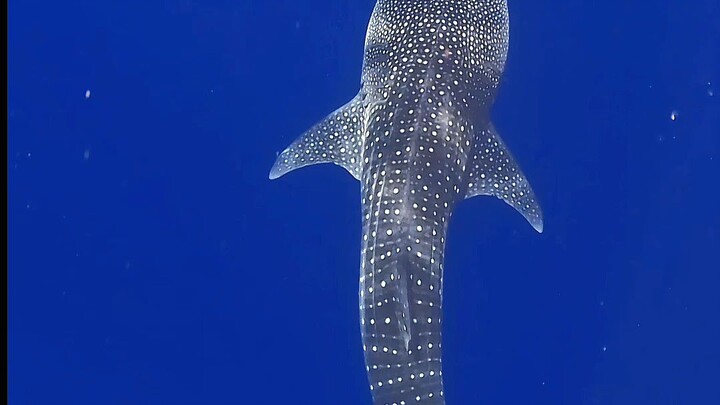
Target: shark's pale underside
column 419, row 139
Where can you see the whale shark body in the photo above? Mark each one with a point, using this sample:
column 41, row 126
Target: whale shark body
column 418, row 137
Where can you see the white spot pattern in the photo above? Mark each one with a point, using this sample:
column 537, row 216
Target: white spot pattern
column 337, row 139
column 419, row 138
column 494, row 172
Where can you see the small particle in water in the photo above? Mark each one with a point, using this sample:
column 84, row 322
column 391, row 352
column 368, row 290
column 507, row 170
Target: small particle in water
column 710, row 91
column 604, row 348
column 674, row 115
column 87, row 93
column 86, row 154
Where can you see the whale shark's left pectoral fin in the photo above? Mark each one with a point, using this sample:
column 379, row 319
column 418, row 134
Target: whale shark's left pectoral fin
column 336, row 139
column 493, row 171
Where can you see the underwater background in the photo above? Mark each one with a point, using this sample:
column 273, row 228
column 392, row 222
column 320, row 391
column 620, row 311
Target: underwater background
column 152, row 261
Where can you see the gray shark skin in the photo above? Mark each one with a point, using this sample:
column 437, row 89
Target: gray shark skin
column 419, row 139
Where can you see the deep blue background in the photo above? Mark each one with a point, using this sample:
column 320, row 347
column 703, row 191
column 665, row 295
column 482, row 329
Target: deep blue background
column 151, row 261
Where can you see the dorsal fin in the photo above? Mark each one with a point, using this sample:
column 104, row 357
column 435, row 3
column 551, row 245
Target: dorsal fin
column 493, row 171
column 336, row 139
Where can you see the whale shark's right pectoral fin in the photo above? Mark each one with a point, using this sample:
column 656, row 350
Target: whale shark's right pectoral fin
column 493, row 171
column 336, row 139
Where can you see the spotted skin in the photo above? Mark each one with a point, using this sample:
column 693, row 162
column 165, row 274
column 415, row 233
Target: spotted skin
column 418, row 136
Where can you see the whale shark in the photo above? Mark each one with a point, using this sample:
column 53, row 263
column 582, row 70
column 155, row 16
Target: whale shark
column 419, row 138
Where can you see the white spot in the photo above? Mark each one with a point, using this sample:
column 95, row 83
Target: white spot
column 674, row 115
column 87, row 93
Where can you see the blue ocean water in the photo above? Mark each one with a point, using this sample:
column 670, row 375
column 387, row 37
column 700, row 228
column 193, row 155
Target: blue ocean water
column 151, row 261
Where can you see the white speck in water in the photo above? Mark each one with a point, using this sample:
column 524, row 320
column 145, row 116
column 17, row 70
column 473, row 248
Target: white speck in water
column 710, row 91
column 604, row 348
column 86, row 154
column 87, row 93
column 674, row 115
